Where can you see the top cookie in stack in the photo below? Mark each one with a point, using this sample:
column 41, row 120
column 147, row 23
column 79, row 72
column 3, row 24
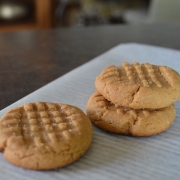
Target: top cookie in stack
column 134, row 99
column 139, row 86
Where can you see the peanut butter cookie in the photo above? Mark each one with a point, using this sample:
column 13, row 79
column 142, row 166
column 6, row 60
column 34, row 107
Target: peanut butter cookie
column 139, row 86
column 43, row 135
column 127, row 121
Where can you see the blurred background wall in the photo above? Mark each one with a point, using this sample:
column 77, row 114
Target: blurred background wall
column 43, row 14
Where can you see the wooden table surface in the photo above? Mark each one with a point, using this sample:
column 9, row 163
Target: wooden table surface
column 31, row 59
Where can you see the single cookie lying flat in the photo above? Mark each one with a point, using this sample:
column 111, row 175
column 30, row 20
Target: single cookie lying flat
column 112, row 118
column 44, row 136
column 139, row 86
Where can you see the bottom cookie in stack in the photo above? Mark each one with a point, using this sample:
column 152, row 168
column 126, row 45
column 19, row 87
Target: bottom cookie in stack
column 136, row 122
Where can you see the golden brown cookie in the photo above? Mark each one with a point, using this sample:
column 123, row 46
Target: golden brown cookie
column 139, row 86
column 44, row 135
column 112, row 118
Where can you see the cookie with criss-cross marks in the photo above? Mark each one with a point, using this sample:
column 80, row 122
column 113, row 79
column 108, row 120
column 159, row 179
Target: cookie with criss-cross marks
column 139, row 85
column 44, row 135
column 136, row 122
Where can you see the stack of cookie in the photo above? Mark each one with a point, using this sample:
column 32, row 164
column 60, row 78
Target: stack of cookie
column 135, row 99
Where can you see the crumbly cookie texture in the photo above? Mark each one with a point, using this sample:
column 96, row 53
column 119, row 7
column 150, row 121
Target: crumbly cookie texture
column 139, row 85
column 127, row 121
column 44, row 136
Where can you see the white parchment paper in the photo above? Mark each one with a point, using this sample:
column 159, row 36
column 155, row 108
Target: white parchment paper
column 110, row 156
